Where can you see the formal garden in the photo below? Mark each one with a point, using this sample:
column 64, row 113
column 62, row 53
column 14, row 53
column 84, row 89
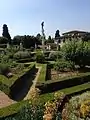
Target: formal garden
column 44, row 84
column 63, row 74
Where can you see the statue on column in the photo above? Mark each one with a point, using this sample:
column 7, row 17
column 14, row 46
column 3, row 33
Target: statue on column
column 43, row 35
column 42, row 24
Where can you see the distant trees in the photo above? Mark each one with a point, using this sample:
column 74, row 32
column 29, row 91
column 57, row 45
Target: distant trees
column 3, row 40
column 28, row 41
column 17, row 40
column 49, row 40
column 38, row 36
column 6, row 33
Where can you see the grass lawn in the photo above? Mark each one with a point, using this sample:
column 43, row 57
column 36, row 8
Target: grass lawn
column 42, row 76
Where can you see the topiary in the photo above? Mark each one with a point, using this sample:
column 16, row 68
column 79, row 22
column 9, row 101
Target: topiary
column 4, row 69
column 40, row 58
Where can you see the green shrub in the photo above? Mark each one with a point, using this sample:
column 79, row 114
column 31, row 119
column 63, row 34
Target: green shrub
column 5, row 59
column 40, row 58
column 4, row 68
column 31, row 112
column 64, row 65
column 3, row 86
column 22, row 54
column 82, row 55
column 3, row 40
column 77, row 51
column 24, row 111
column 46, row 53
column 78, row 107
column 55, row 55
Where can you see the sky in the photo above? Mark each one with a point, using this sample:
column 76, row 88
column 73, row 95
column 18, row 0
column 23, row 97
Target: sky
column 24, row 17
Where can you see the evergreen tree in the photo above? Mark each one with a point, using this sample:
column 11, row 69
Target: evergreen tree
column 6, row 33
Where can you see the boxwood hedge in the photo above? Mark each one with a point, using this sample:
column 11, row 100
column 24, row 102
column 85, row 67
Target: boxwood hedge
column 12, row 109
column 51, row 86
column 6, row 83
column 43, row 72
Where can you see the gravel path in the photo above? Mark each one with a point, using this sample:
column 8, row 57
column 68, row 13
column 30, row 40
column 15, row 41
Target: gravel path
column 5, row 100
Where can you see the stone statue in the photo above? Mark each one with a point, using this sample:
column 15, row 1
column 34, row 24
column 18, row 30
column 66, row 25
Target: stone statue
column 8, row 46
column 42, row 24
column 21, row 46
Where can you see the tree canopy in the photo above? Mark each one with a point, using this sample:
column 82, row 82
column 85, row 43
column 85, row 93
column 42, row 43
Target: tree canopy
column 27, row 41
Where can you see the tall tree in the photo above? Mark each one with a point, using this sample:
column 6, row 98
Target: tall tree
column 6, row 33
column 57, row 34
column 38, row 36
column 49, row 38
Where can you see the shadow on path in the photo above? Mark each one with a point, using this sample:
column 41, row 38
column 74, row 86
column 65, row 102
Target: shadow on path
column 18, row 96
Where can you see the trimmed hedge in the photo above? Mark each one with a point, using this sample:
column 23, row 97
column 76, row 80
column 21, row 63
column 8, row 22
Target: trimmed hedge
column 3, row 86
column 3, row 45
column 21, row 80
column 23, row 72
column 6, row 84
column 76, row 89
column 40, row 58
column 51, row 86
column 68, row 91
column 43, row 72
column 26, row 60
column 12, row 109
column 21, row 55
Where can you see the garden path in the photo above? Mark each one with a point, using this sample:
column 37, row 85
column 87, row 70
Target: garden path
column 5, row 100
